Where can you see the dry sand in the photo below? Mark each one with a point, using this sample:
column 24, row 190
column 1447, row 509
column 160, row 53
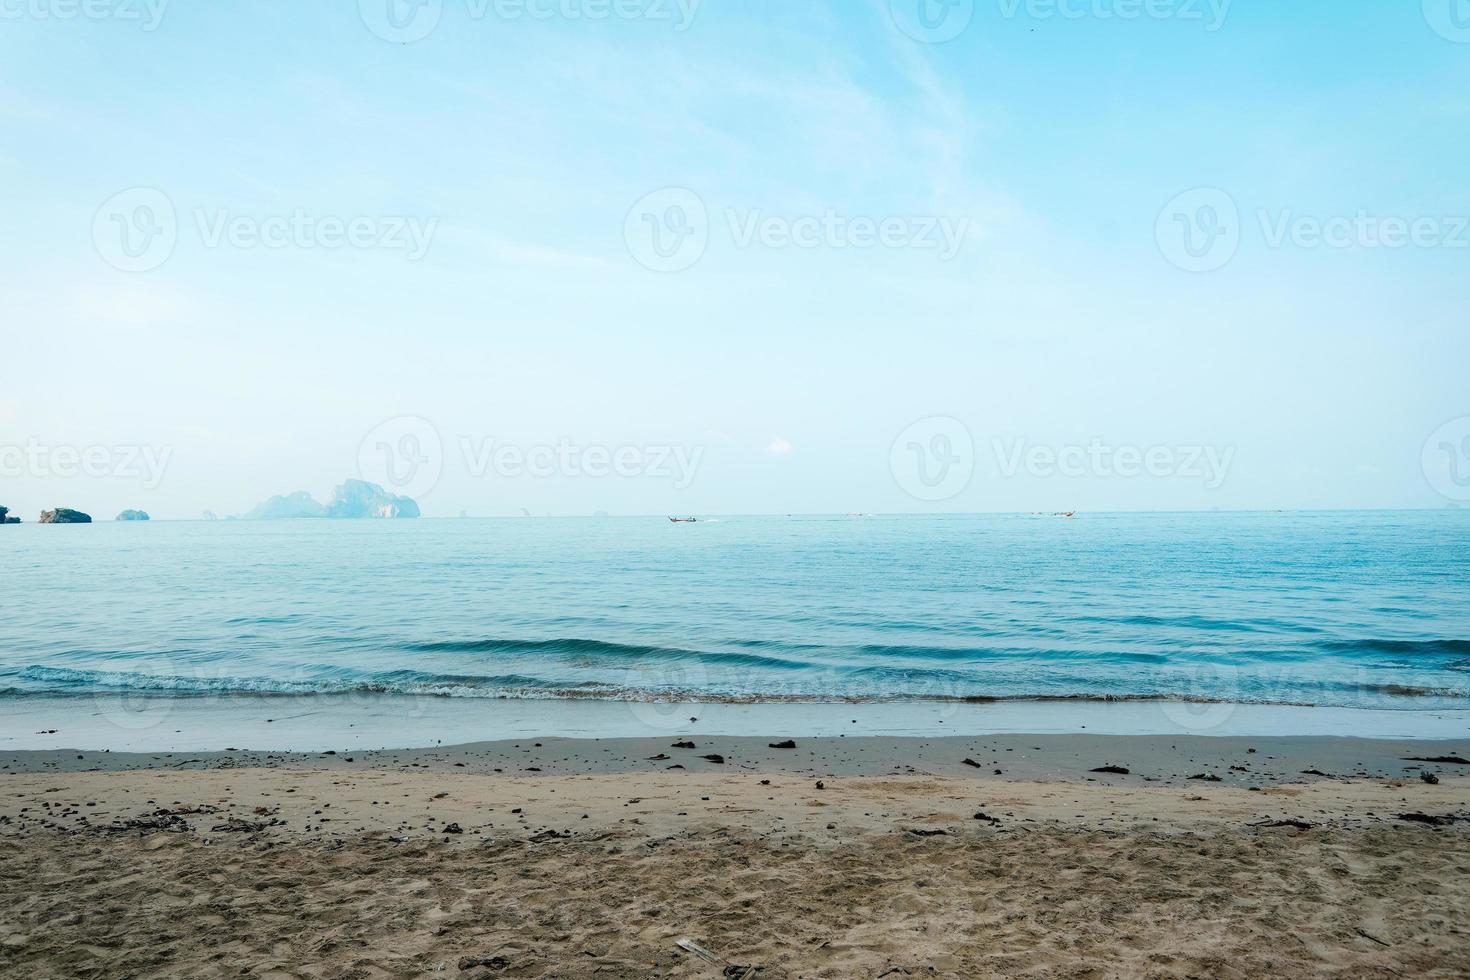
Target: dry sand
column 591, row 859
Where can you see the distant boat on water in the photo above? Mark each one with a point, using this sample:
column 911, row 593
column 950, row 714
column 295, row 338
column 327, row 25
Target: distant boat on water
column 683, row 520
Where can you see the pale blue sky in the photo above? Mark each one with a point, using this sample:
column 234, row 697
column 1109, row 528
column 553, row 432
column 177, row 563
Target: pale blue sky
column 1055, row 141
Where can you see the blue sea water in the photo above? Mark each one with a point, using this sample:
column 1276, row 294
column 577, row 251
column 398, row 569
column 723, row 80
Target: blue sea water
column 1343, row 609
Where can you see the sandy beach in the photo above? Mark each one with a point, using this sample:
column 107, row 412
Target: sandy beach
column 829, row 490
column 859, row 857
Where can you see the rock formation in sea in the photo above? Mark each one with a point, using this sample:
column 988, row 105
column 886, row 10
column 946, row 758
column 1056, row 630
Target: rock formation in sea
column 64, row 515
column 134, row 515
column 5, row 517
column 360, row 499
column 286, row 506
column 353, row 500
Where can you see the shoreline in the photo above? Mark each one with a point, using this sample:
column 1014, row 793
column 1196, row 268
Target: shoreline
column 143, row 722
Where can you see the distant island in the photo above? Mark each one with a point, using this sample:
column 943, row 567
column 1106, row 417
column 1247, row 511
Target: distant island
column 287, row 505
column 353, row 500
column 64, row 515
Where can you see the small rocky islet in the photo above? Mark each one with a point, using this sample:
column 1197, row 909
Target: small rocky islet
column 64, row 515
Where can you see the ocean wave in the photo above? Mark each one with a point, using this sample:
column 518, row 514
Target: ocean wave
column 1199, row 623
column 941, row 687
column 1405, row 648
column 1411, row 691
column 63, row 680
column 797, row 655
column 605, row 650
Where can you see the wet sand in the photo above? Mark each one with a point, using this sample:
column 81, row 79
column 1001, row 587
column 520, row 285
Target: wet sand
column 152, row 722
column 842, row 857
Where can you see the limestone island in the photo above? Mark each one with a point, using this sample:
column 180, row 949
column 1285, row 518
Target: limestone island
column 134, row 515
column 353, row 500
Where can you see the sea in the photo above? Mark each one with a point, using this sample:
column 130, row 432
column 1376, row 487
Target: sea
column 490, row 627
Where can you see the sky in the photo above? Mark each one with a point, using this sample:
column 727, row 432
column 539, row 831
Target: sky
column 735, row 256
